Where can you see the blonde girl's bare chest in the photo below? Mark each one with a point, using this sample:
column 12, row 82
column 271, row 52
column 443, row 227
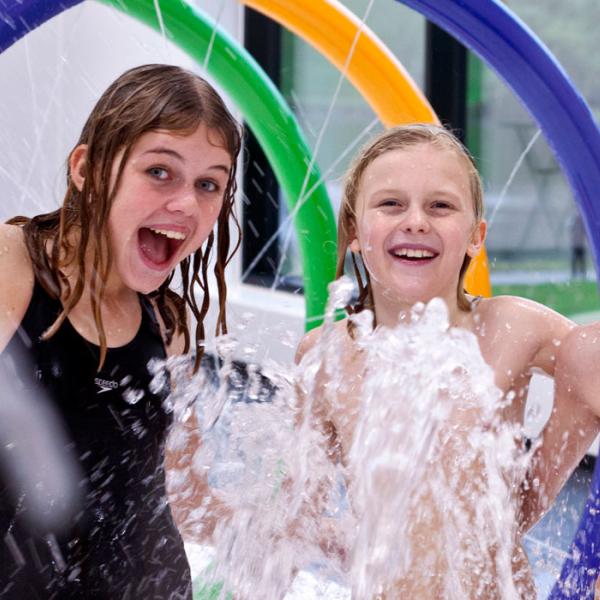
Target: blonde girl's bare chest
column 509, row 352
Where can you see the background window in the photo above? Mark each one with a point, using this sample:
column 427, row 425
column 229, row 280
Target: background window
column 335, row 122
column 536, row 242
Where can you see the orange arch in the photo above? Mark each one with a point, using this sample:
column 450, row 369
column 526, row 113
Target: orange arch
column 381, row 79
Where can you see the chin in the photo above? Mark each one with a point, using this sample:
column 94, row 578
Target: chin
column 143, row 283
column 147, row 287
column 412, row 294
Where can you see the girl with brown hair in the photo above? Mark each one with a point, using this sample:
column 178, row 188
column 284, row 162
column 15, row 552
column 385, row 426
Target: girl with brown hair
column 85, row 295
column 412, row 217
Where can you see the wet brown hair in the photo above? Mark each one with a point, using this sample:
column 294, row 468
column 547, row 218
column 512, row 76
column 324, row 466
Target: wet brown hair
column 399, row 138
column 146, row 98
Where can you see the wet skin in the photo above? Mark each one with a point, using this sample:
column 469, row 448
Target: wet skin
column 172, row 183
column 415, row 201
column 414, row 225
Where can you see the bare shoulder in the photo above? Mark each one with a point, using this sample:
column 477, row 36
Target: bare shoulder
column 308, row 341
column 532, row 330
column 527, row 315
column 311, row 338
column 519, row 307
column 16, row 281
column 578, row 360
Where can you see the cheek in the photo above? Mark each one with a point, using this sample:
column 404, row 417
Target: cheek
column 212, row 214
column 114, row 229
column 119, row 242
column 366, row 230
column 207, row 224
column 215, row 211
column 198, row 240
column 461, row 235
column 121, row 226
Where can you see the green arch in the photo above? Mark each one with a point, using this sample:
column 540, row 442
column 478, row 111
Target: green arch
column 274, row 126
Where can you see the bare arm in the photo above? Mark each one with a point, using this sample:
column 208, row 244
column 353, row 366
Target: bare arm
column 530, row 337
column 16, row 281
column 195, row 509
column 549, row 329
column 319, row 408
column 573, row 424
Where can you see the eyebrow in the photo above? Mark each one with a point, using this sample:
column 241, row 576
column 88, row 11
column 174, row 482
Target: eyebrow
column 175, row 154
column 399, row 192
column 387, row 191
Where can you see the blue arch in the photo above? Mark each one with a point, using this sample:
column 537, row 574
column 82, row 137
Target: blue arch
column 19, row 17
column 581, row 569
column 510, row 48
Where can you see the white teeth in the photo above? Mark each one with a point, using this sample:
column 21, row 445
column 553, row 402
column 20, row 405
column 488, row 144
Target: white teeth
column 174, row 235
column 413, row 253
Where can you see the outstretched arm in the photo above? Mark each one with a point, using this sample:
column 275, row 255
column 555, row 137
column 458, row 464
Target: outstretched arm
column 196, row 510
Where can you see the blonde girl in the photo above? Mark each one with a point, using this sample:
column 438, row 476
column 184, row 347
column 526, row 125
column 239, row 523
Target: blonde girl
column 412, row 218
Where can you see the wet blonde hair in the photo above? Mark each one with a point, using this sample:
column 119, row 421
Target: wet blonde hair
column 399, row 138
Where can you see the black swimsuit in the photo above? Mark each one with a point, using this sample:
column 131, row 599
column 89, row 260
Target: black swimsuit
column 123, row 542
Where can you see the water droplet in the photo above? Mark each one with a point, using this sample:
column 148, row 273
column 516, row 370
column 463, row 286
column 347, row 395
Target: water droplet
column 133, row 396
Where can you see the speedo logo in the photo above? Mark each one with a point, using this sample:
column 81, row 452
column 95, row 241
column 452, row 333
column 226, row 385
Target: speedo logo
column 105, row 385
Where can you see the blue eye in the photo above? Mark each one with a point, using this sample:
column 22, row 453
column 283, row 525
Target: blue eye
column 207, row 185
column 158, row 172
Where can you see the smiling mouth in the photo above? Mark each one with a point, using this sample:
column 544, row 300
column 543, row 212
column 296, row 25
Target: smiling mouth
column 159, row 246
column 414, row 255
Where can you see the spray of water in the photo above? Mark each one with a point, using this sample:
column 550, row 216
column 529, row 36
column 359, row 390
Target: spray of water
column 432, row 467
column 419, row 503
column 512, row 176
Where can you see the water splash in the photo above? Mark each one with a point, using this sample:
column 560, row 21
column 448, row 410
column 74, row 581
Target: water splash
column 512, row 175
column 432, row 467
column 416, row 498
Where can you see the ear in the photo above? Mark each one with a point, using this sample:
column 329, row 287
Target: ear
column 77, row 162
column 477, row 239
column 354, row 244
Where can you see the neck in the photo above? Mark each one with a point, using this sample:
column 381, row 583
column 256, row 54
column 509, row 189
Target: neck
column 115, row 293
column 391, row 311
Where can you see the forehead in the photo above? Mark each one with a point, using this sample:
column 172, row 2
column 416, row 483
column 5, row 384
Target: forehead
column 424, row 165
column 202, row 143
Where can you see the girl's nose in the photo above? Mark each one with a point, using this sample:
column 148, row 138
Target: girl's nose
column 183, row 201
column 415, row 221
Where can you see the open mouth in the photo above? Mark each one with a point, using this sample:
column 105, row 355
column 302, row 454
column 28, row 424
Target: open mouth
column 414, row 255
column 159, row 246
